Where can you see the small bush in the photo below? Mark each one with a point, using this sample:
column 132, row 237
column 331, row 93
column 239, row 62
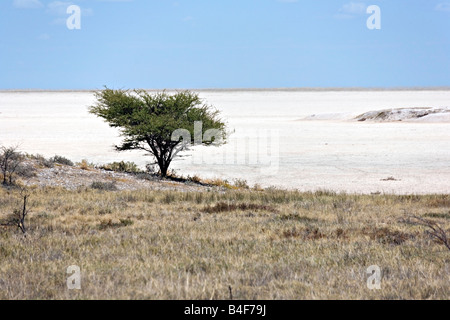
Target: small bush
column 240, row 183
column 62, row 160
column 10, row 161
column 220, row 183
column 26, row 171
column 42, row 161
column 129, row 167
column 107, row 186
column 195, row 179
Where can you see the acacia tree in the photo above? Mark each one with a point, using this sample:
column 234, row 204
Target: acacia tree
column 148, row 121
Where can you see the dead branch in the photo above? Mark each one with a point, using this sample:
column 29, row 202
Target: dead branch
column 434, row 229
column 19, row 215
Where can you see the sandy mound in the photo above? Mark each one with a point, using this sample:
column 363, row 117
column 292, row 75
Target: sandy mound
column 405, row 114
column 386, row 115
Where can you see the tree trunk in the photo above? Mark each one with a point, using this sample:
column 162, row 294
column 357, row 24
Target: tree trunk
column 163, row 170
column 4, row 171
column 163, row 167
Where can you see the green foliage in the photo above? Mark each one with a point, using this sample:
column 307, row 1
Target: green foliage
column 129, row 167
column 148, row 121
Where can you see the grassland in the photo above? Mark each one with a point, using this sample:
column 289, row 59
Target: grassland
column 269, row 244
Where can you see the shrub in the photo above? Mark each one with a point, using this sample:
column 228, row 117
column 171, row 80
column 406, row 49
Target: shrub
column 129, row 167
column 41, row 160
column 220, row 183
column 240, row 183
column 61, row 160
column 195, row 179
column 26, row 171
column 10, row 161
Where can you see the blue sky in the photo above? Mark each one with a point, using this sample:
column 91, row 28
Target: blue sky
column 223, row 44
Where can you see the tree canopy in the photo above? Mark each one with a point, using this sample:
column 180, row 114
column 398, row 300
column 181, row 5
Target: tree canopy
column 162, row 124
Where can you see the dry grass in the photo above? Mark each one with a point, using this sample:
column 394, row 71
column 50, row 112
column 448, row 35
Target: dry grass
column 268, row 244
column 85, row 165
column 227, row 207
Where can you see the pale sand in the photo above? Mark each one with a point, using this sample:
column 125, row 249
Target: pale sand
column 337, row 154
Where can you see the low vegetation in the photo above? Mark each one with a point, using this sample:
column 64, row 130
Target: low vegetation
column 122, row 166
column 62, row 160
column 15, row 164
column 266, row 244
column 11, row 162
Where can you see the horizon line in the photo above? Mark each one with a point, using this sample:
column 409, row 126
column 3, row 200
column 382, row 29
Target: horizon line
column 305, row 89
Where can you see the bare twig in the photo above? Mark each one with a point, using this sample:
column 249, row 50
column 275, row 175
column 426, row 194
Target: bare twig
column 434, row 229
column 19, row 215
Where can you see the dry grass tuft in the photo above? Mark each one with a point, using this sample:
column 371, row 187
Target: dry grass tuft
column 442, row 201
column 85, row 165
column 227, row 207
